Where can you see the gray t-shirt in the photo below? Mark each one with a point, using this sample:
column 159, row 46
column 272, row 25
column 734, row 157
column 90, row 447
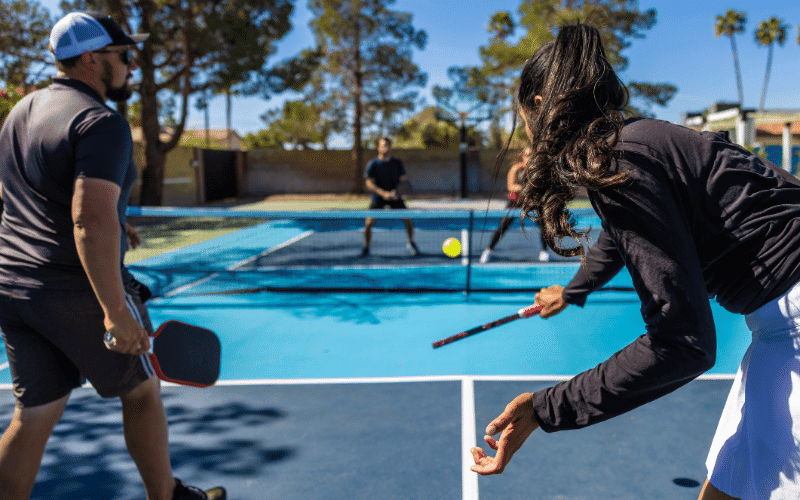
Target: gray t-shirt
column 51, row 138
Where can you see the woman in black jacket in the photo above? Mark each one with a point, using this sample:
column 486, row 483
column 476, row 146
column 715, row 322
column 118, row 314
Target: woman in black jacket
column 692, row 217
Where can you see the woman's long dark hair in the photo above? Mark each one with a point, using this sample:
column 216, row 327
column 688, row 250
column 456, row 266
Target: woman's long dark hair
column 573, row 130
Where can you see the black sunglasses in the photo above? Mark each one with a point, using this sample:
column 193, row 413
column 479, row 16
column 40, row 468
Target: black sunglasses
column 125, row 55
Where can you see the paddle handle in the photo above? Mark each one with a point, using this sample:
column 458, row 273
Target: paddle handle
column 525, row 312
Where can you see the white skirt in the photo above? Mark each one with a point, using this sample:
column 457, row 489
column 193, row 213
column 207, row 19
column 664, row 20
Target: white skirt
column 755, row 454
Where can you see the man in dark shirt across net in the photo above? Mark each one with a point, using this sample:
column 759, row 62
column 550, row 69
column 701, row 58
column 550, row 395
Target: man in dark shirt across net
column 67, row 170
column 383, row 177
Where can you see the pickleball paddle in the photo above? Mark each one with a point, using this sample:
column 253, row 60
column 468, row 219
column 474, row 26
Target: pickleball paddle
column 525, row 312
column 186, row 354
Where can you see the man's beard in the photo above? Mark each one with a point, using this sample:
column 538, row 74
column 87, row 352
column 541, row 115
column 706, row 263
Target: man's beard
column 115, row 94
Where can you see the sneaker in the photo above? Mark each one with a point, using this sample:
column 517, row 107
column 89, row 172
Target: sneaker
column 184, row 492
column 412, row 247
column 364, row 252
column 544, row 256
column 486, row 256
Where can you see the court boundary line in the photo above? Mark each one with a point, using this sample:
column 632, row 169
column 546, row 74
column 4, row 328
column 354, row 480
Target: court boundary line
column 469, row 479
column 398, row 380
column 429, row 378
column 237, row 265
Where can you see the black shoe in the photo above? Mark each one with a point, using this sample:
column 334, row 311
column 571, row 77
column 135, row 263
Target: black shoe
column 412, row 247
column 364, row 252
column 184, row 492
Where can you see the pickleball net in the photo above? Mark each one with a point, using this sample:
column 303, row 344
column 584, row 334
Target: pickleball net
column 218, row 251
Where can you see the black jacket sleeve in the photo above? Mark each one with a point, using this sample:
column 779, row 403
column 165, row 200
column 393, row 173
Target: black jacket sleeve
column 603, row 262
column 653, row 234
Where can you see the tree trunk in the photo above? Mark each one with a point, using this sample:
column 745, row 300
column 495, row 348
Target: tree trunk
column 766, row 79
column 153, row 173
column 738, row 73
column 358, row 152
column 152, row 178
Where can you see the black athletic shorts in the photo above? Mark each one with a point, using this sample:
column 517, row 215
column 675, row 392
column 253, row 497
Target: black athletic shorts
column 54, row 342
column 378, row 202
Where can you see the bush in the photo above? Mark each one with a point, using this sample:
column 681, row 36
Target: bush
column 8, row 99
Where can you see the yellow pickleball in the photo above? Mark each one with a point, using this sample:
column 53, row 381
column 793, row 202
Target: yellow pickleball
column 451, row 247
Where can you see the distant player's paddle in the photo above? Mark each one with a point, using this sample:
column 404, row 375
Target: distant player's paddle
column 186, row 354
column 403, row 189
column 525, row 312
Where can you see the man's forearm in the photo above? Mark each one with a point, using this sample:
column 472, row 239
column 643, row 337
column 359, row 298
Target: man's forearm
column 371, row 186
column 97, row 242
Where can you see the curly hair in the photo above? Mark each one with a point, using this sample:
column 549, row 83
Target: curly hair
column 572, row 102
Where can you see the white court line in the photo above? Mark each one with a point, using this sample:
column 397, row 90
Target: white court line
column 469, row 479
column 237, row 265
column 430, row 378
column 270, row 250
column 355, row 268
column 465, row 246
column 404, row 380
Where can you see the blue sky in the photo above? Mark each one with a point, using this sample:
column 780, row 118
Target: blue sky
column 681, row 49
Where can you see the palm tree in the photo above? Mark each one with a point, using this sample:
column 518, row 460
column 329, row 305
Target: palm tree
column 769, row 32
column 729, row 24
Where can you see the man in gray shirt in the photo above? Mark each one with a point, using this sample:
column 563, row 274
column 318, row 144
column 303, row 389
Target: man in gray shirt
column 66, row 169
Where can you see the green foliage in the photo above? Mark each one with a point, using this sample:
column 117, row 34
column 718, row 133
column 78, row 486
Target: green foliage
column 367, row 51
column 772, row 30
column 9, row 98
column 24, row 33
column 619, row 21
column 294, row 125
column 240, row 37
column 651, row 94
column 221, row 45
column 427, row 130
column 760, row 151
column 264, row 139
column 441, row 135
column 730, row 23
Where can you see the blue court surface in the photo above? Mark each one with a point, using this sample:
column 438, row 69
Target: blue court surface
column 340, row 395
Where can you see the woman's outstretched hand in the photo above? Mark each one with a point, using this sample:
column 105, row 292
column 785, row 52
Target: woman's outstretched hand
column 515, row 424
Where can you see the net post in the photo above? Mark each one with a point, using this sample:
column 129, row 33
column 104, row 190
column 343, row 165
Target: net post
column 469, row 251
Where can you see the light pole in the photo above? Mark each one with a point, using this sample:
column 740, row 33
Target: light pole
column 463, row 156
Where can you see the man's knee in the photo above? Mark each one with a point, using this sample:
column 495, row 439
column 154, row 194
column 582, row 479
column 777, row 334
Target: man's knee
column 41, row 418
column 148, row 389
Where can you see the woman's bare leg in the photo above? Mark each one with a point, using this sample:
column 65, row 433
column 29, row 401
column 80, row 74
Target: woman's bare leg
column 709, row 492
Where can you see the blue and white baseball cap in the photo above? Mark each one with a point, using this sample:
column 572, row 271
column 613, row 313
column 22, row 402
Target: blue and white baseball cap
column 80, row 32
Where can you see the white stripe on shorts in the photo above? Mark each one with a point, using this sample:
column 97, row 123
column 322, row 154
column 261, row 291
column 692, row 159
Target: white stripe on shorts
column 144, row 358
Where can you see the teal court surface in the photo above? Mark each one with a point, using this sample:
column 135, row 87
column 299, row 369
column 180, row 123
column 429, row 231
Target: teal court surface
column 330, row 389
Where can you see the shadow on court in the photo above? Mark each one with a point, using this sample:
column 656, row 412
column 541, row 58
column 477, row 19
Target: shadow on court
column 212, row 439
